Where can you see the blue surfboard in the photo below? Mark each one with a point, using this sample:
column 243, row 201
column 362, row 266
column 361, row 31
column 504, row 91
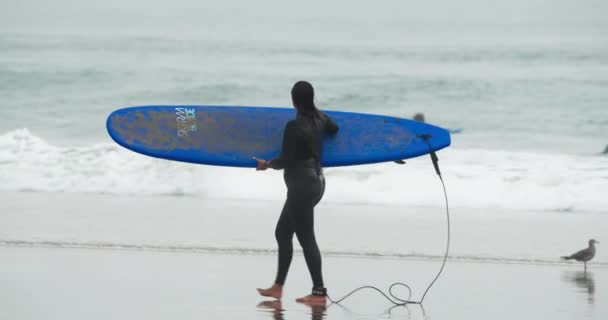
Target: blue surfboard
column 232, row 135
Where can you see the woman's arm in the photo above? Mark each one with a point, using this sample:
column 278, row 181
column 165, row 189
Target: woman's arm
column 287, row 149
column 331, row 126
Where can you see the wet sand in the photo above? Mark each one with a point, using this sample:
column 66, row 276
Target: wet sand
column 71, row 283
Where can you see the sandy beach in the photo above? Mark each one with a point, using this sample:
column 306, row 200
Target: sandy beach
column 60, row 283
column 189, row 223
column 67, row 256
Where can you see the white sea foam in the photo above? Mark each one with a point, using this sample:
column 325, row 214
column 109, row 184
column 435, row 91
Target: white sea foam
column 475, row 178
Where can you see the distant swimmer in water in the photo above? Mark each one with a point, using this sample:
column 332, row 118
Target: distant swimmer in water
column 420, row 117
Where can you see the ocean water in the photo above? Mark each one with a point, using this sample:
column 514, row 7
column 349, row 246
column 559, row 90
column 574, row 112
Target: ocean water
column 527, row 81
column 531, row 96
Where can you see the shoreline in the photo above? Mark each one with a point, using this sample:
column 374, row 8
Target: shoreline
column 298, row 252
column 206, row 225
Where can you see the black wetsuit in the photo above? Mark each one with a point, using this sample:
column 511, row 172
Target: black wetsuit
column 300, row 158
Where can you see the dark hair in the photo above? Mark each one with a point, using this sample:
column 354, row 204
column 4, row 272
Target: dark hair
column 303, row 96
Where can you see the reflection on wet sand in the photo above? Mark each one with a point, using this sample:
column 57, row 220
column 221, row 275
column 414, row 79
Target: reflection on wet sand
column 583, row 281
column 275, row 309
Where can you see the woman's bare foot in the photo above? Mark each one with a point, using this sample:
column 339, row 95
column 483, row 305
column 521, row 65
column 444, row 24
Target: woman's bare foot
column 312, row 300
column 276, row 291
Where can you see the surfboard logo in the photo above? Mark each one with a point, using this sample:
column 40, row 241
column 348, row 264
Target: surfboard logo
column 186, row 121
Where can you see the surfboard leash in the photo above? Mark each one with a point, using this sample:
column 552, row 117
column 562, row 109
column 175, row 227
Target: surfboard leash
column 393, row 298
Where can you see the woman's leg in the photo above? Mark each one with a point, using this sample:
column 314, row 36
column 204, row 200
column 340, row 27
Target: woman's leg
column 303, row 222
column 284, row 235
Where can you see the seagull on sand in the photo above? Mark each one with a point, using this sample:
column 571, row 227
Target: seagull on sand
column 583, row 255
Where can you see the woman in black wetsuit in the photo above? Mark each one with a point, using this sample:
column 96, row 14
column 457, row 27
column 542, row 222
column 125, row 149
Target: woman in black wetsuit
column 301, row 159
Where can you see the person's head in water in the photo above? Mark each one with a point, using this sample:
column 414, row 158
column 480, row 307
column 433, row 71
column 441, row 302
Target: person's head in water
column 419, row 117
column 303, row 96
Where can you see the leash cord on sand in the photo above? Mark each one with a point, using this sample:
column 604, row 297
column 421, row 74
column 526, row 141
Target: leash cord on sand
column 393, row 298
